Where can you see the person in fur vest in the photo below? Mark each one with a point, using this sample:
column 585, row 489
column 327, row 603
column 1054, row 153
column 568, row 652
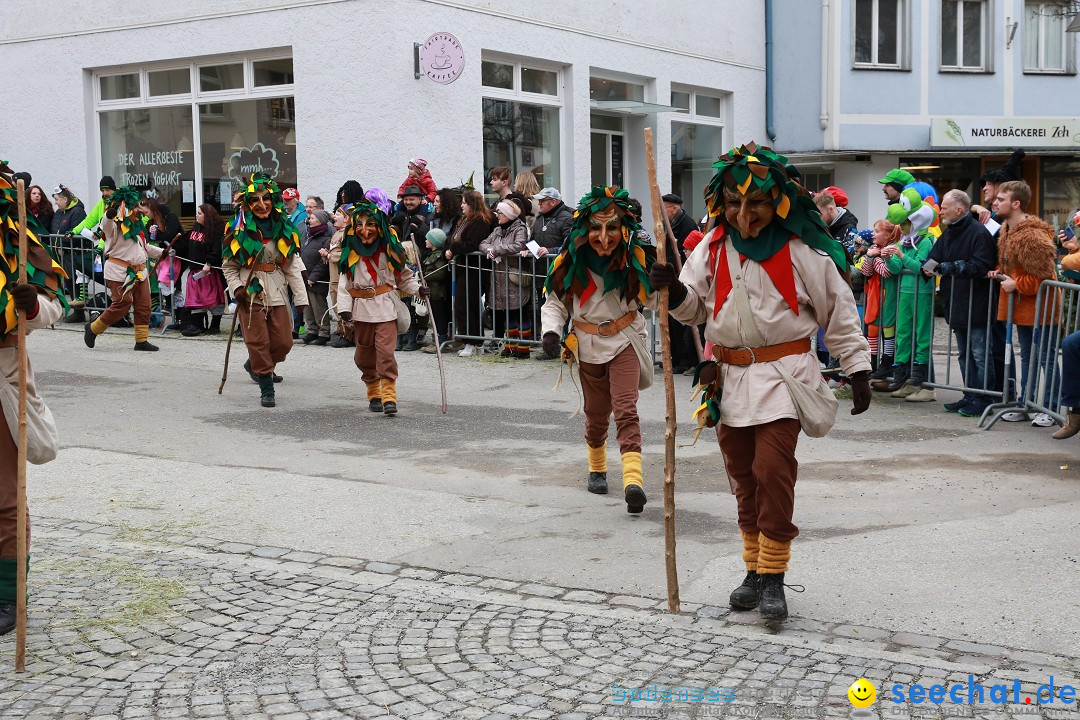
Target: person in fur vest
column 1027, row 255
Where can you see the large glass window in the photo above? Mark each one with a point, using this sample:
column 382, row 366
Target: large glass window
column 523, row 137
column 604, row 89
column 213, row 78
column 169, row 82
column 1060, row 191
column 694, row 149
column 119, row 87
column 879, row 33
column 142, row 148
column 964, row 26
column 243, row 137
column 946, row 173
column 1045, row 45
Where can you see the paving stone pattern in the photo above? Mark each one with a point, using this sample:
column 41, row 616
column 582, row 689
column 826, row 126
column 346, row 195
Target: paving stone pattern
column 132, row 624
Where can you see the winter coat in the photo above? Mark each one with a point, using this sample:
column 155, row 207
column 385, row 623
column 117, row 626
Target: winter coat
column 424, row 182
column 881, row 286
column 843, row 227
column 682, row 225
column 199, row 247
column 65, row 220
column 317, row 268
column 437, row 275
column 1027, row 254
column 467, row 236
column 511, row 282
column 965, row 252
column 550, row 229
column 43, row 214
column 913, row 280
column 413, row 223
column 92, row 220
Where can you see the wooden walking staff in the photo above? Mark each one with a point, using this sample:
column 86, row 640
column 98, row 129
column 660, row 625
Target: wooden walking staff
column 669, row 385
column 431, row 315
column 20, row 522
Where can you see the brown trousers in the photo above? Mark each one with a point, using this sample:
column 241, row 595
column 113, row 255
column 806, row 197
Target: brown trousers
column 267, row 334
column 9, row 477
column 761, row 461
column 612, row 387
column 138, row 294
column 374, row 354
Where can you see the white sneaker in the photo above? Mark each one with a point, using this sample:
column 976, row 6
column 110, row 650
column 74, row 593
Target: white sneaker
column 1014, row 417
column 469, row 351
column 1043, row 420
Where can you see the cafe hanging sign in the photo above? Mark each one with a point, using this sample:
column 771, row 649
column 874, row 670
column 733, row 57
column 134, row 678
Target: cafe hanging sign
column 440, row 58
column 1004, row 132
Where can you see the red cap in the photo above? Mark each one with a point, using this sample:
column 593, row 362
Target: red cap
column 291, row 194
column 838, row 195
column 692, row 240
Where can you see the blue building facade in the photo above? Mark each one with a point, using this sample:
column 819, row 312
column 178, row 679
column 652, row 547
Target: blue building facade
column 946, row 88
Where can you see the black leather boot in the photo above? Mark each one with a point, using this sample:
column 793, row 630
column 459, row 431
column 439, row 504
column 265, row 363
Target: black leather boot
column 773, row 605
column 635, row 499
column 193, row 324
column 884, row 368
column 7, row 618
column 266, row 387
column 88, row 336
column 747, row 595
column 215, row 325
column 901, row 373
column 598, row 483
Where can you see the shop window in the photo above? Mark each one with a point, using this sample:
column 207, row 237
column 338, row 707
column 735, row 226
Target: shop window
column 964, row 35
column 816, row 179
column 272, row 72
column 946, row 174
column 1060, row 179
column 497, row 75
column 544, row 82
column 694, row 149
column 880, row 40
column 169, row 82
column 1047, row 49
column 680, row 100
column 213, row 78
column 245, row 137
column 523, row 137
column 144, row 147
column 119, row 87
column 604, row 89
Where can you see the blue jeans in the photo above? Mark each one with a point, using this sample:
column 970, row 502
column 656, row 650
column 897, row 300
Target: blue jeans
column 1045, row 341
column 971, row 351
column 1070, row 371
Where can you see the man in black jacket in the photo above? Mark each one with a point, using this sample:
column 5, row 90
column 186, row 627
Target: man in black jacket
column 411, row 223
column 964, row 254
column 683, row 353
column 553, row 223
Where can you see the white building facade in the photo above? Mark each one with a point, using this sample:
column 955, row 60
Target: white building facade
column 190, row 98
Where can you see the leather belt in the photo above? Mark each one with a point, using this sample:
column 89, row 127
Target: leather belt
column 768, row 353
column 607, row 328
column 369, row 292
column 125, row 263
column 265, row 267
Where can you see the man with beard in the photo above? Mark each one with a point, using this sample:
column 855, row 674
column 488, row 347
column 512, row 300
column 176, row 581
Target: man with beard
column 373, row 267
column 261, row 261
column 600, row 280
column 763, row 281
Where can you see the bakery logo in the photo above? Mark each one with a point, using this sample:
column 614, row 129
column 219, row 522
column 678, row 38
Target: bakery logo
column 442, row 58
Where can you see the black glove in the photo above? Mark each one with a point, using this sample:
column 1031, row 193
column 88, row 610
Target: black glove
column 241, row 295
column 860, row 391
column 663, row 275
column 424, row 292
column 945, row 268
column 551, row 344
column 345, row 316
column 26, row 298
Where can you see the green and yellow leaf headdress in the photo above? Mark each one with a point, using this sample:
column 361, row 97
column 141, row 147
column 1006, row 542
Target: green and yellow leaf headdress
column 41, row 269
column 626, row 270
column 123, row 201
column 353, row 249
column 243, row 237
column 751, row 167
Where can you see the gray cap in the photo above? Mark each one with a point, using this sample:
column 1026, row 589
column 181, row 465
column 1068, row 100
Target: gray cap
column 548, row 193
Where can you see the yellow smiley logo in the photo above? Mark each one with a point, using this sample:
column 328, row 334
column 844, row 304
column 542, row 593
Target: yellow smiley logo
column 862, row 693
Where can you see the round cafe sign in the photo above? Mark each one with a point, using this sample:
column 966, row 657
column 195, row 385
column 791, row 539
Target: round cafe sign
column 441, row 58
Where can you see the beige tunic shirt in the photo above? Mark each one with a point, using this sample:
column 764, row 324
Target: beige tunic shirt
column 49, row 311
column 597, row 309
column 119, row 247
column 756, row 394
column 381, row 307
column 275, row 284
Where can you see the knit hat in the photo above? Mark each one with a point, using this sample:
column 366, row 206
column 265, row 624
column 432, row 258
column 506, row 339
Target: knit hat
column 867, row 237
column 106, row 183
column 437, row 237
column 839, row 196
column 419, row 162
column 322, row 216
column 24, row 176
column 508, row 209
column 1009, row 171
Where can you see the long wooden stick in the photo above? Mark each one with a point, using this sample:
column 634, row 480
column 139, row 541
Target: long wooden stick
column 20, row 523
column 431, row 316
column 678, row 268
column 669, row 386
column 228, row 349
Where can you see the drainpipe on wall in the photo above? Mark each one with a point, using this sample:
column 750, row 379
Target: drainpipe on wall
column 824, row 117
column 770, row 130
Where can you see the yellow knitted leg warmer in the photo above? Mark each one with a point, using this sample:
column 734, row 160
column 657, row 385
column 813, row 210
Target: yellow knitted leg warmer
column 631, row 469
column 142, row 332
column 773, row 556
column 597, row 459
column 97, row 327
column 750, row 550
column 389, row 391
column 374, row 390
